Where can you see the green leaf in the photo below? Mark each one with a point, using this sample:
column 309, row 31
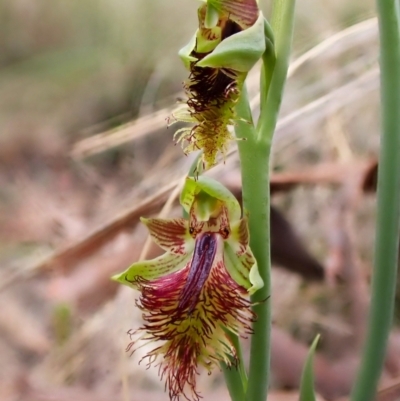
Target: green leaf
column 240, row 51
column 307, row 378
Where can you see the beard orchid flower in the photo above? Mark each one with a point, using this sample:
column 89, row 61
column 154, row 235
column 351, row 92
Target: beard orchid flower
column 232, row 36
column 197, row 292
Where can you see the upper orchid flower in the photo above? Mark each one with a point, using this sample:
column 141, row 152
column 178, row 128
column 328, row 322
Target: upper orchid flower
column 197, row 291
column 232, row 36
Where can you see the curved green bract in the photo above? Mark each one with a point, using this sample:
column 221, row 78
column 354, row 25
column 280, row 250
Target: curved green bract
column 240, row 51
column 214, row 190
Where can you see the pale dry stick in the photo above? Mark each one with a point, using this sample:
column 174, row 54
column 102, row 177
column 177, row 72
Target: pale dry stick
column 321, row 107
column 149, row 124
column 131, row 131
column 324, row 106
column 337, row 136
column 331, row 102
column 341, row 37
column 152, row 86
column 166, row 159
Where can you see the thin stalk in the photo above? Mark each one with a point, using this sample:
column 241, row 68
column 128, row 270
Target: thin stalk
column 388, row 208
column 236, row 378
column 254, row 158
column 254, row 151
column 282, row 22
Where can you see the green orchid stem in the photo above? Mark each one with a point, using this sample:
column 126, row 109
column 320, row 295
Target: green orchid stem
column 254, row 151
column 254, row 157
column 387, row 226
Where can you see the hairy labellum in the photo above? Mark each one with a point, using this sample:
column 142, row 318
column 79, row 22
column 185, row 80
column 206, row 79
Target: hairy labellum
column 212, row 96
column 192, row 327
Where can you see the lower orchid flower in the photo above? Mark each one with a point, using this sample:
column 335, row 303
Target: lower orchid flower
column 196, row 292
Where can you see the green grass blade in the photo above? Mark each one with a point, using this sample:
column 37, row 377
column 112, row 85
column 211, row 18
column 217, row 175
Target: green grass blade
column 387, row 226
column 307, row 378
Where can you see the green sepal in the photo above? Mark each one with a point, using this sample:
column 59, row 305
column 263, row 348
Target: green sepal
column 213, row 189
column 185, row 52
column 240, row 51
column 307, row 392
column 243, row 269
column 152, row 269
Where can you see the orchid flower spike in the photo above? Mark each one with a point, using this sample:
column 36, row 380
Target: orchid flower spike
column 232, row 36
column 197, row 291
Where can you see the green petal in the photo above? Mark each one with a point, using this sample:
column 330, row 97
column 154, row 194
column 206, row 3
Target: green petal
column 214, row 189
column 243, row 269
column 172, row 235
column 152, row 269
column 240, row 51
